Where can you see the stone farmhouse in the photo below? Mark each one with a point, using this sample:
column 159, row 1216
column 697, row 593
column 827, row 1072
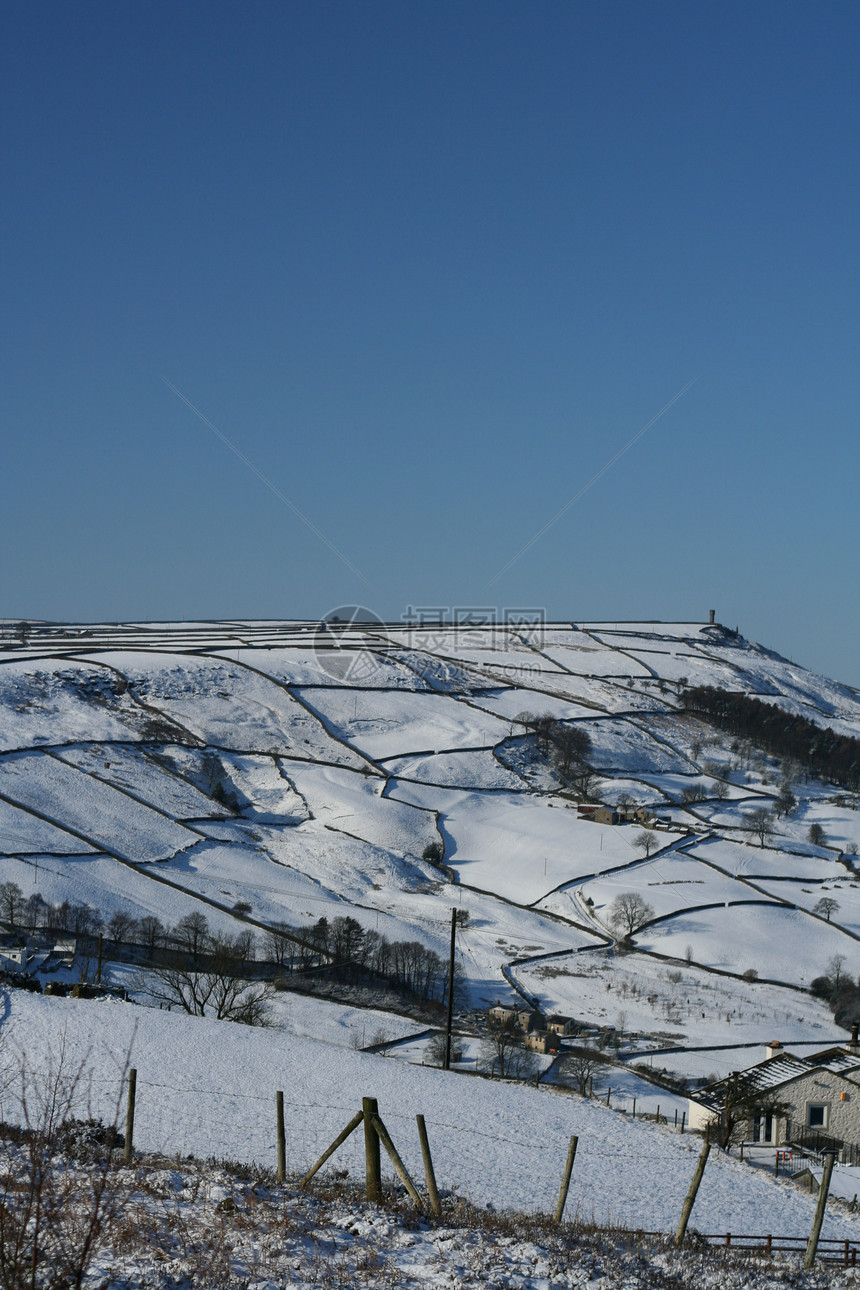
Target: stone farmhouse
column 541, row 1034
column 525, row 1019
column 810, row 1103
column 543, row 1041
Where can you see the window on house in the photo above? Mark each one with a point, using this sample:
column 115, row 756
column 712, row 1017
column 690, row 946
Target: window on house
column 816, row 1115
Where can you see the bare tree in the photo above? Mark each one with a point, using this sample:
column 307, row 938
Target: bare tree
column 762, row 824
column 278, row 948
column 213, row 986
column 785, row 802
column 834, row 970
column 37, row 912
column 628, row 912
column 826, row 906
column 743, row 1102
column 646, row 841
column 437, row 1046
column 816, row 835
column 544, row 727
column 53, row 1214
column 571, row 746
column 151, row 932
column 192, row 933
column 694, row 793
column 502, row 1051
column 120, row 925
column 581, row 1066
column 11, row 904
column 584, row 780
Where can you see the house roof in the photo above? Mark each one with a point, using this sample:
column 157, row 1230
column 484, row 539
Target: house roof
column 837, row 1060
column 781, row 1070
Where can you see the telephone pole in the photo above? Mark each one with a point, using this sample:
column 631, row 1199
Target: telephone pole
column 447, row 1063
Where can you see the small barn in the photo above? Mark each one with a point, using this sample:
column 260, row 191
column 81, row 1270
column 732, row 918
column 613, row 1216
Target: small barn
column 597, row 812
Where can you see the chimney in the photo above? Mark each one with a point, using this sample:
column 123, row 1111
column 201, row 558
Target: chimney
column 855, row 1043
column 773, row 1049
column 712, row 613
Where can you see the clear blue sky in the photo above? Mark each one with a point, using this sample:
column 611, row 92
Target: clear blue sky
column 430, row 266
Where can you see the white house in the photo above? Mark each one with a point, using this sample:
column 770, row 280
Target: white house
column 811, row 1102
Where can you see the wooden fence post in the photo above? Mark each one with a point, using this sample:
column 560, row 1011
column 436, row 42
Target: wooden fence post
column 683, row 1118
column 372, row 1164
column 99, row 972
column 565, row 1182
column 608, row 1095
column 129, row 1116
column 329, row 1151
column 687, row 1207
column 429, row 1172
column 282, row 1145
column 824, row 1188
column 399, row 1167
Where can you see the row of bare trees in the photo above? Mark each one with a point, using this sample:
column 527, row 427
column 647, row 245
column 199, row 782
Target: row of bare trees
column 199, row 970
column 34, row 914
column 406, row 966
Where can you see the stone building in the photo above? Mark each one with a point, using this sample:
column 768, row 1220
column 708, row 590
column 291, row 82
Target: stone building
column 812, row 1103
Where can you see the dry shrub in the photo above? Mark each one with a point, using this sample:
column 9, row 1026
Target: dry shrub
column 60, row 1195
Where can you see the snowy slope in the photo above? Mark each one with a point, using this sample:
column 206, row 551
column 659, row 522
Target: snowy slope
column 306, row 773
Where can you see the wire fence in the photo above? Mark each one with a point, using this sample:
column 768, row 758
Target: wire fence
column 495, row 1151
column 495, row 1164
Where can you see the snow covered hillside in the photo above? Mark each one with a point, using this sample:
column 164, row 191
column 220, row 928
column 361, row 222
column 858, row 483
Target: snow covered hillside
column 280, row 773
column 345, row 753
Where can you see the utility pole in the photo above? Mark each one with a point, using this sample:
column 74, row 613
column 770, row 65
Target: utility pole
column 447, row 1063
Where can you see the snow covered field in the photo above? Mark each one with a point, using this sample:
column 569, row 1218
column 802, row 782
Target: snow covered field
column 91, row 808
column 678, row 1005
